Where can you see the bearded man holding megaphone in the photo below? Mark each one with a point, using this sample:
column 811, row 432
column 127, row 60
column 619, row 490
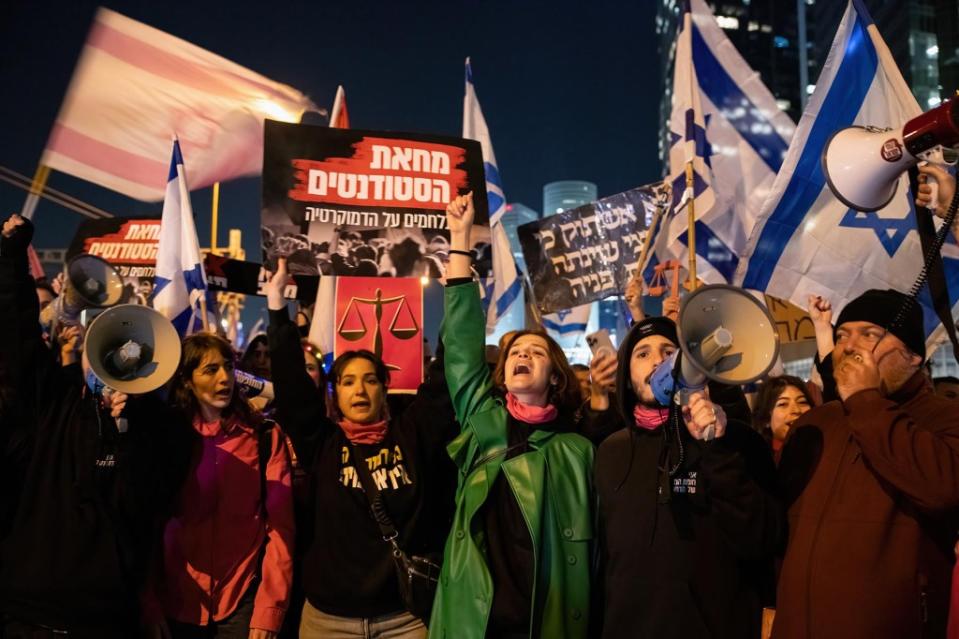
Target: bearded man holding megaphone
column 689, row 517
column 83, row 494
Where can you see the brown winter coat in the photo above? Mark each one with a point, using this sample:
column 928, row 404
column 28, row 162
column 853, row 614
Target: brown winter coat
column 872, row 485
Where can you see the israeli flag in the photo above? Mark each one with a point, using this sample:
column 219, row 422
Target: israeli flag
column 727, row 123
column 808, row 242
column 180, row 280
column 506, row 283
column 569, row 323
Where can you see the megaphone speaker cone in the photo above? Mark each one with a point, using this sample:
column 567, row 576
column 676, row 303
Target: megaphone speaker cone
column 94, row 280
column 727, row 314
column 132, row 348
column 862, row 166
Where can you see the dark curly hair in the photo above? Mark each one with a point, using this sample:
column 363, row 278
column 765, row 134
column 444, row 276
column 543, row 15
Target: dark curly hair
column 769, row 391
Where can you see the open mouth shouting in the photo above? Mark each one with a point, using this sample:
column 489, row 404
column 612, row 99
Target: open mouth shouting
column 522, row 369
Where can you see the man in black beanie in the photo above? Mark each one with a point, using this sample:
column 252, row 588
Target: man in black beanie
column 688, row 527
column 872, row 486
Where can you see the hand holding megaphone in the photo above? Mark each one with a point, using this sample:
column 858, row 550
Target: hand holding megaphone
column 116, row 402
column 704, row 420
column 936, row 188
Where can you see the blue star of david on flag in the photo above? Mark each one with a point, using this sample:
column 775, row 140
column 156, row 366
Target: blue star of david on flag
column 889, row 231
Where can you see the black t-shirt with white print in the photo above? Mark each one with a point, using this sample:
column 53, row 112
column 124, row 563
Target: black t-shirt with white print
column 348, row 570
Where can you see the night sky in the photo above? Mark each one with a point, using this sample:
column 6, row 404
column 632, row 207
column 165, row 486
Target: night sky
column 569, row 90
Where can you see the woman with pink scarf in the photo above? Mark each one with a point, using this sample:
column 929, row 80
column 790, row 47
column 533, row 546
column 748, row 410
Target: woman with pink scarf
column 349, row 575
column 517, row 561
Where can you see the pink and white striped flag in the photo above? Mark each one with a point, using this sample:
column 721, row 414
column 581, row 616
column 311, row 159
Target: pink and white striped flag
column 136, row 87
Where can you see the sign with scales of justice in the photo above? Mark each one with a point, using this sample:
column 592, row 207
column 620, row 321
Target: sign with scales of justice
column 385, row 316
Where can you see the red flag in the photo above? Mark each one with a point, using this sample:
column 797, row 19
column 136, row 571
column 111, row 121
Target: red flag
column 339, row 116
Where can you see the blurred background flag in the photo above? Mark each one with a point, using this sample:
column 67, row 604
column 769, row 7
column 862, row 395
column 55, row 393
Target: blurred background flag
column 506, row 283
column 135, row 87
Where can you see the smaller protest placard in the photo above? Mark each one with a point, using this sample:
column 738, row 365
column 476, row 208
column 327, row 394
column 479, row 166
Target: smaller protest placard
column 385, row 316
column 587, row 253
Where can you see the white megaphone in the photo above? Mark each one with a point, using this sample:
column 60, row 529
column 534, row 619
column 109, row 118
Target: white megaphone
column 88, row 282
column 132, row 348
column 726, row 335
column 862, row 165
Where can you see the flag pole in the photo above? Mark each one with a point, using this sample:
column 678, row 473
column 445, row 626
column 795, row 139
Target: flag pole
column 647, row 242
column 36, row 188
column 691, row 204
column 214, row 217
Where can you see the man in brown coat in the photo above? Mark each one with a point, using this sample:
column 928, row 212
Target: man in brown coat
column 872, row 484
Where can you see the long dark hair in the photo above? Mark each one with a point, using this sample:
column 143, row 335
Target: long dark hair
column 565, row 393
column 195, row 348
column 766, row 397
column 336, row 372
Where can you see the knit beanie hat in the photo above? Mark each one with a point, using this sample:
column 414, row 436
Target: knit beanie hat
column 882, row 308
column 625, row 397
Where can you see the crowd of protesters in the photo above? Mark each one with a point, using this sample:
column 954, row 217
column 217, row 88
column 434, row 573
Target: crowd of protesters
column 515, row 496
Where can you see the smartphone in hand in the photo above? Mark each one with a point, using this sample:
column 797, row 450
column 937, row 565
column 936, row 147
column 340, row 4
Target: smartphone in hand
column 600, row 342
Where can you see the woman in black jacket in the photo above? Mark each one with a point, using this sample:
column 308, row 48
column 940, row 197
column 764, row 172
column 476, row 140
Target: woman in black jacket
column 348, row 572
column 688, row 522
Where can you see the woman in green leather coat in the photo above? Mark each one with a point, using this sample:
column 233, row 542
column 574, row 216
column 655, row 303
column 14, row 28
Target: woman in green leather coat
column 517, row 561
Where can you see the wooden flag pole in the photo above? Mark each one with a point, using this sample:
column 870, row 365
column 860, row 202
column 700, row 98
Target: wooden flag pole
column 36, row 188
column 214, row 217
column 647, row 242
column 691, row 204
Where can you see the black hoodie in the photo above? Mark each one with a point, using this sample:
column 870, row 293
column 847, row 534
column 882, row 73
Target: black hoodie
column 82, row 502
column 686, row 553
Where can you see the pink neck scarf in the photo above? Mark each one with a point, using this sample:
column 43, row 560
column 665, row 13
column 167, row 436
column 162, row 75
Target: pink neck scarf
column 364, row 433
column 529, row 413
column 650, row 418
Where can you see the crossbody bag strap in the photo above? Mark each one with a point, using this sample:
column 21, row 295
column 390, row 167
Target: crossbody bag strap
column 373, row 495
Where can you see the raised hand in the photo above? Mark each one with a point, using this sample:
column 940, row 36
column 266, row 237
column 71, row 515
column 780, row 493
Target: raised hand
column 820, row 310
column 70, row 341
column 11, row 223
column 671, row 308
column 459, row 216
column 275, row 285
column 633, row 295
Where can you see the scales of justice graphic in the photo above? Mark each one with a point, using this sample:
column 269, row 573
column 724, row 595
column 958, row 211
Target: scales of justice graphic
column 402, row 326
